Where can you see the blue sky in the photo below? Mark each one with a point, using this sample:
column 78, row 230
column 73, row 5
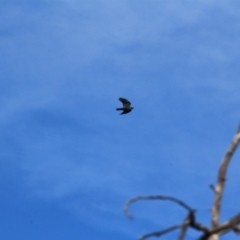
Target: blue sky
column 68, row 160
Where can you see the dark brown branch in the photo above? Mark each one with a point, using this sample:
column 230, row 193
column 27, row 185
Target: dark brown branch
column 222, row 178
column 197, row 226
column 190, row 221
column 160, row 233
column 159, row 197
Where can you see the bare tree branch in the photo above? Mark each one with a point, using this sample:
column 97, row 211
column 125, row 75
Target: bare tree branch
column 197, row 226
column 160, row 233
column 217, row 229
column 158, row 197
column 236, row 229
column 222, row 178
column 228, row 226
column 189, row 221
column 185, row 226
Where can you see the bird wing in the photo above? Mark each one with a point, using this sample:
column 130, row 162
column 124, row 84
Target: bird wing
column 125, row 102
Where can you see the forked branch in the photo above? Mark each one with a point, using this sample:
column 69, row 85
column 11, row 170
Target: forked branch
column 217, row 229
column 188, row 222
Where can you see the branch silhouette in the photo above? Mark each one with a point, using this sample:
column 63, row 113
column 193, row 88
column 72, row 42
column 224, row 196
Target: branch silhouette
column 217, row 229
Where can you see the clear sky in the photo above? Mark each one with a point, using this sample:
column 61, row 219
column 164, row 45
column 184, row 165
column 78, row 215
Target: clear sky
column 69, row 161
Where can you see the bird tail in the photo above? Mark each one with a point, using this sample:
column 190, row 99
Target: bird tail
column 119, row 109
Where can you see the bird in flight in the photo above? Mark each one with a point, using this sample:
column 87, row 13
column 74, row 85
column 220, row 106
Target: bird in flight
column 126, row 106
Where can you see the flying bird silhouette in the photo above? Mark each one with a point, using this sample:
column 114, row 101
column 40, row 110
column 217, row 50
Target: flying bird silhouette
column 126, row 106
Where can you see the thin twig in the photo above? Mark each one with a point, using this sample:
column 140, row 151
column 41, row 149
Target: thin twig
column 158, row 197
column 212, row 187
column 185, row 227
column 188, row 222
column 160, row 233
